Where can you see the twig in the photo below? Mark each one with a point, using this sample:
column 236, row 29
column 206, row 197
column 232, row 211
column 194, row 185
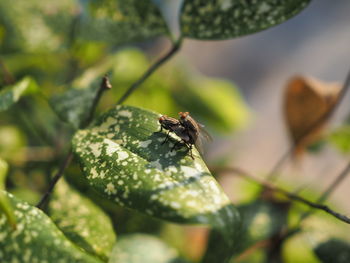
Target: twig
column 287, row 194
column 176, row 46
column 55, row 179
column 272, row 175
column 8, row 78
column 105, row 85
column 345, row 172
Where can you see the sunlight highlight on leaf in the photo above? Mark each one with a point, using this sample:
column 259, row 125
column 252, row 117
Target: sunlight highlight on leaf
column 223, row 19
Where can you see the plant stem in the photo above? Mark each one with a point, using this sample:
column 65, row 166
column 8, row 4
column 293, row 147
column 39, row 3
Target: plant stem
column 55, row 179
column 105, row 85
column 176, row 46
column 272, row 175
column 331, row 188
column 287, row 194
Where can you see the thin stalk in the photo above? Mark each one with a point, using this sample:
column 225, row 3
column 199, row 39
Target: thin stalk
column 176, row 46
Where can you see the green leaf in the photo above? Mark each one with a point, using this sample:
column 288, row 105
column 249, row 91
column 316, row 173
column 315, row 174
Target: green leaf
column 141, row 248
column 5, row 206
column 36, row 239
column 84, row 223
column 333, row 251
column 74, row 105
column 50, row 24
column 124, row 159
column 340, row 138
column 216, row 101
column 11, row 94
column 120, row 21
column 262, row 220
column 223, row 19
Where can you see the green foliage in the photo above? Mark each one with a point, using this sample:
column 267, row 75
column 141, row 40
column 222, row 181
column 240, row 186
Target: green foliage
column 11, row 94
column 67, row 47
column 5, row 206
column 73, row 106
column 340, row 138
column 215, row 100
column 118, row 21
column 141, row 248
column 36, row 238
column 261, row 220
column 333, row 251
column 123, row 158
column 223, row 19
column 49, row 24
column 84, row 223
column 178, row 90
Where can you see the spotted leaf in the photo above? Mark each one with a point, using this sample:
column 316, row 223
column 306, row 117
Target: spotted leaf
column 11, row 94
column 36, row 238
column 333, row 251
column 223, row 19
column 73, row 106
column 141, row 248
column 84, row 223
column 120, row 21
column 124, row 159
column 5, row 206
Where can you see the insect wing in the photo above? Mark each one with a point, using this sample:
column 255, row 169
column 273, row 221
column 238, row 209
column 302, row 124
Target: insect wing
column 204, row 133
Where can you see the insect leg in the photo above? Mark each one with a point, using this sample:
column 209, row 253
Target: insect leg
column 175, row 145
column 166, row 138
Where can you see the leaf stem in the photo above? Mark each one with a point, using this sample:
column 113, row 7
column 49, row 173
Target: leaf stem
column 55, row 179
column 176, row 47
column 331, row 188
column 272, row 175
column 287, row 194
column 105, row 85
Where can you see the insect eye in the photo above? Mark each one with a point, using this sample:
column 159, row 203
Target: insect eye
column 182, row 115
column 161, row 118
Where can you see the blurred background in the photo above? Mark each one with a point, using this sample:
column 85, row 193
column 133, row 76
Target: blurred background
column 314, row 43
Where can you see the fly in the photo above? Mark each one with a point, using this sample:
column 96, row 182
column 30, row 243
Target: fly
column 186, row 128
column 195, row 130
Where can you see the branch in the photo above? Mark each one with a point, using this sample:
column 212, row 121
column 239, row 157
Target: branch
column 55, row 179
column 331, row 188
column 287, row 194
column 105, row 85
column 150, row 70
column 272, row 175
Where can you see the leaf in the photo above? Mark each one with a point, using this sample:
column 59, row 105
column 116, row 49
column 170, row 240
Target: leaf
column 306, row 101
column 36, row 239
column 73, row 106
column 11, row 94
column 216, row 101
column 5, row 206
column 223, row 19
column 340, row 138
column 120, row 21
column 333, row 251
column 123, row 158
column 84, row 223
column 141, row 248
column 50, row 24
column 262, row 220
